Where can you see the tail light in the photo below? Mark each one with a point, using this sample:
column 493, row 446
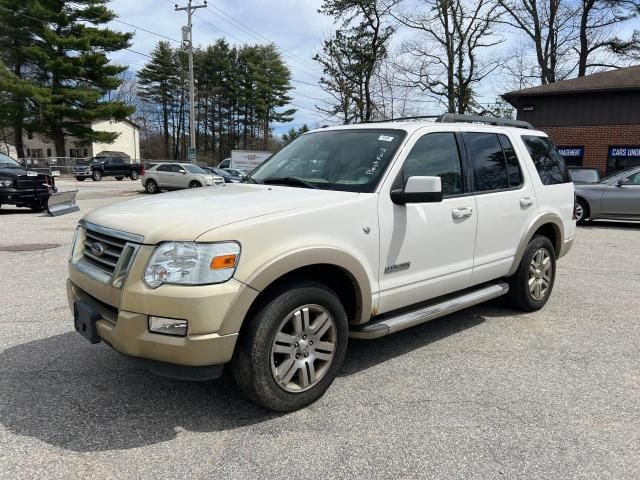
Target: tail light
column 141, row 169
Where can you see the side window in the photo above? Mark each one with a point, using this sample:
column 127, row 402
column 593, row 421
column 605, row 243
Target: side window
column 513, row 166
column 116, row 161
column 434, row 155
column 164, row 168
column 549, row 163
column 634, row 179
column 177, row 168
column 487, row 161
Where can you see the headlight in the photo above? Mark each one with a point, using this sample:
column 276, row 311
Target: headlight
column 189, row 263
column 6, row 182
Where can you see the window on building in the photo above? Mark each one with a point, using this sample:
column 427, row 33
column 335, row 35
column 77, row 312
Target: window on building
column 434, row 155
column 488, row 162
column 35, row 153
column 549, row 163
column 29, row 135
column 48, row 152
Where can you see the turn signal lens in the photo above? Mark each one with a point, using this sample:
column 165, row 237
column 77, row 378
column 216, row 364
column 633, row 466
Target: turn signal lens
column 223, row 261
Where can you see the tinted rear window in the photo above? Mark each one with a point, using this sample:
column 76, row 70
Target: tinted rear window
column 487, row 161
column 548, row 161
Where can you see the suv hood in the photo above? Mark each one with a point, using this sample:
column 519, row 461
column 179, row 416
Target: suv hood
column 187, row 214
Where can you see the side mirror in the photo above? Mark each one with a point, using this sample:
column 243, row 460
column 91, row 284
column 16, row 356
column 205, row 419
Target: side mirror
column 418, row 190
column 623, row 181
column 184, row 172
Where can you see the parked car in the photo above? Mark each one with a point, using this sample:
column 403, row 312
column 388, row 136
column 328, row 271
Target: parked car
column 175, row 176
column 224, row 173
column 406, row 222
column 23, row 187
column 584, row 174
column 616, row 197
column 100, row 167
column 235, row 172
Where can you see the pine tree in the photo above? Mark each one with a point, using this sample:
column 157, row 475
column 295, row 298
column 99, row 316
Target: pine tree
column 70, row 58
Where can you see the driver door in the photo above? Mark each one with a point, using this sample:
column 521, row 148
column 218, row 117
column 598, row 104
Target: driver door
column 427, row 249
column 623, row 200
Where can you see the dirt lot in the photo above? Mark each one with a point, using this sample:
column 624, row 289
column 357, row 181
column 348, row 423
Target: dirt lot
column 485, row 393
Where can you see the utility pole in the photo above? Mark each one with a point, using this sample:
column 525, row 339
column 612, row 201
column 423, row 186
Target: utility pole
column 187, row 37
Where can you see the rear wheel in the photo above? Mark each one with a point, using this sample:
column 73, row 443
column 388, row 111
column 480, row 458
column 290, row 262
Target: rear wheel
column 582, row 211
column 293, row 348
column 134, row 175
column 96, row 175
column 195, row 184
column 530, row 287
column 151, row 186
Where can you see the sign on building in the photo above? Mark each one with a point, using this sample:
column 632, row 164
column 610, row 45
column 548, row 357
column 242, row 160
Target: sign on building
column 572, row 155
column 623, row 157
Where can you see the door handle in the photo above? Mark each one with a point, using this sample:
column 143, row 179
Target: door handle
column 526, row 202
column 461, row 212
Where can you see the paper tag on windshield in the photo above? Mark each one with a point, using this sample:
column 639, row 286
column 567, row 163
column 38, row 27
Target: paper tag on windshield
column 32, row 174
column 385, row 138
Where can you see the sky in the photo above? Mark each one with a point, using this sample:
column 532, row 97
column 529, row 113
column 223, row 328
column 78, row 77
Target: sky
column 294, row 26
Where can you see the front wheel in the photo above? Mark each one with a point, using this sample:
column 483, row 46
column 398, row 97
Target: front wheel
column 134, row 175
column 96, row 176
column 151, row 186
column 530, row 287
column 582, row 211
column 119, row 178
column 195, row 184
column 80, row 179
column 293, row 348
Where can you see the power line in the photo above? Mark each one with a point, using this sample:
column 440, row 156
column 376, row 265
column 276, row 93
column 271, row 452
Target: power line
column 145, row 30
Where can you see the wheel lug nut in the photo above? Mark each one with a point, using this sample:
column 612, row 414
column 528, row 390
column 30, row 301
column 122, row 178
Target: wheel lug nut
column 296, row 345
column 297, row 355
column 310, row 342
column 304, row 337
column 306, row 354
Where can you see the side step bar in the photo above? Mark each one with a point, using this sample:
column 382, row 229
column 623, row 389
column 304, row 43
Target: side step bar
column 385, row 326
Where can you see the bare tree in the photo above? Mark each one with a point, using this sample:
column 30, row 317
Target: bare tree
column 446, row 63
column 549, row 24
column 599, row 22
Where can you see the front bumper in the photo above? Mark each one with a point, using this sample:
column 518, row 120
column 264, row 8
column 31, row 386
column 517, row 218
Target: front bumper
column 20, row 197
column 179, row 357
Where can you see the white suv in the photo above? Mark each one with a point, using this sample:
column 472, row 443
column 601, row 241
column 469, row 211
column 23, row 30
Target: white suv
column 353, row 231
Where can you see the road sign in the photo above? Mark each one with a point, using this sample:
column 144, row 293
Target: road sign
column 191, row 154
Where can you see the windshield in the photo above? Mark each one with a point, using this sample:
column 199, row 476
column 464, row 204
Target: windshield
column 584, row 175
column 220, row 172
column 7, row 160
column 615, row 175
column 349, row 160
column 194, row 169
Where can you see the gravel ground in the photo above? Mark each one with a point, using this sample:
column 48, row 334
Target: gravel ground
column 485, row 393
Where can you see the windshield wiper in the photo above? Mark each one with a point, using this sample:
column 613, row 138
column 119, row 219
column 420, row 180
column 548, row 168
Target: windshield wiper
column 251, row 179
column 290, row 181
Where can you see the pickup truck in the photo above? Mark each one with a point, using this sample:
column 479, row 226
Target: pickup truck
column 353, row 231
column 100, row 167
column 22, row 187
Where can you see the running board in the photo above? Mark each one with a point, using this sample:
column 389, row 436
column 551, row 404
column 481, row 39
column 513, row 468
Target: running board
column 385, row 326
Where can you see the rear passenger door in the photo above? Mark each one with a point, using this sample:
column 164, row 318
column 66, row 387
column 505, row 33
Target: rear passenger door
column 164, row 175
column 505, row 202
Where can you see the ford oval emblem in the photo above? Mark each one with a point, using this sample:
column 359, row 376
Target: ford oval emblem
column 97, row 249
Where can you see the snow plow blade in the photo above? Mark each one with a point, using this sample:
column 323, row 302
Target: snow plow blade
column 61, row 203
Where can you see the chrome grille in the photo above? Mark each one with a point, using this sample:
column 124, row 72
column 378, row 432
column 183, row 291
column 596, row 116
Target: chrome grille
column 102, row 251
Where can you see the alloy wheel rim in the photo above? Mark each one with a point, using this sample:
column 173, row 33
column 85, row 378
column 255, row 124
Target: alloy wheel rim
column 540, row 270
column 579, row 212
column 303, row 348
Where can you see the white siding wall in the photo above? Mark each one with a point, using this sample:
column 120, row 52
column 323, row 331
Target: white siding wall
column 127, row 142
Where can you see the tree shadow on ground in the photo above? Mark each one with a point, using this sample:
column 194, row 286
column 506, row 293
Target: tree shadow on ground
column 81, row 397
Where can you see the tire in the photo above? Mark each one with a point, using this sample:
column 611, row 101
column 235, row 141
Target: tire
column 151, row 187
column 80, row 179
column 96, row 175
column 255, row 365
column 520, row 295
column 134, row 175
column 119, row 178
column 195, row 184
column 582, row 211
column 37, row 207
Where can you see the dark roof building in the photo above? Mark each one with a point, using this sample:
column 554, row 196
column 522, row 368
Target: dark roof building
column 594, row 120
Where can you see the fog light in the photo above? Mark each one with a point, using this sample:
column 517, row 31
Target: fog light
column 168, row 326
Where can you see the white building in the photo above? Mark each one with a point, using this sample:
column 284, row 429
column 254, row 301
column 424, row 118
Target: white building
column 127, row 144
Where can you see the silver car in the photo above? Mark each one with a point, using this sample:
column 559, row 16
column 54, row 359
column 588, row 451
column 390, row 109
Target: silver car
column 175, row 176
column 616, row 197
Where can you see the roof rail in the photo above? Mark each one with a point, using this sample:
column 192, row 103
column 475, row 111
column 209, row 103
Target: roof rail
column 502, row 122
column 402, row 119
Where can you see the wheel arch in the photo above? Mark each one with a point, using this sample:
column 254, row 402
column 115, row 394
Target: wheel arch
column 549, row 225
column 333, row 268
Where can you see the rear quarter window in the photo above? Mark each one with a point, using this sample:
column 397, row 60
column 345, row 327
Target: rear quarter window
column 547, row 160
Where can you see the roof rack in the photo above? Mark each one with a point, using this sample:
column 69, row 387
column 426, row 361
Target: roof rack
column 502, row 122
column 460, row 118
